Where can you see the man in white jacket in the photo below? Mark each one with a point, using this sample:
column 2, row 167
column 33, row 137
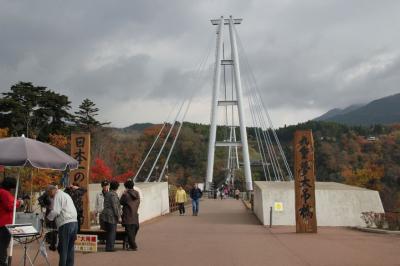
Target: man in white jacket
column 99, row 203
column 65, row 215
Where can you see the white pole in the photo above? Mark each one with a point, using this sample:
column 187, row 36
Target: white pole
column 236, row 149
column 214, row 105
column 13, row 220
column 239, row 96
column 229, row 166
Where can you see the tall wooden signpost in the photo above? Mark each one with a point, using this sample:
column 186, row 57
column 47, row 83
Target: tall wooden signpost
column 80, row 150
column 304, row 168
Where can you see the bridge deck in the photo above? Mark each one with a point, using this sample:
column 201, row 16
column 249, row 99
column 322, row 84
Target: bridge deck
column 225, row 233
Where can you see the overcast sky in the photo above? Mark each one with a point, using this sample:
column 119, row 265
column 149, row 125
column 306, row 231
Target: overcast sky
column 138, row 59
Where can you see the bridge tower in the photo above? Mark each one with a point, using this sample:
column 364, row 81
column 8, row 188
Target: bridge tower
column 237, row 102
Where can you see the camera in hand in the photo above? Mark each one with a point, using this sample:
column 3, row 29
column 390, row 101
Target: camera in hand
column 44, row 200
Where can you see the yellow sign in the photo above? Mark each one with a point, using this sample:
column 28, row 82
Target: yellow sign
column 278, row 206
column 86, row 243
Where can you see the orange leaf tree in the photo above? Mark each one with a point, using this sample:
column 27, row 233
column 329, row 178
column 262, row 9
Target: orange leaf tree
column 59, row 141
column 100, row 171
column 369, row 176
column 123, row 177
column 39, row 180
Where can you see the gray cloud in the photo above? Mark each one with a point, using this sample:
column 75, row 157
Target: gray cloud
column 307, row 56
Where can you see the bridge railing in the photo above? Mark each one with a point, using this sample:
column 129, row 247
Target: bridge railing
column 173, row 206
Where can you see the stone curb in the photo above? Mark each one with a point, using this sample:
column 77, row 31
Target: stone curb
column 377, row 231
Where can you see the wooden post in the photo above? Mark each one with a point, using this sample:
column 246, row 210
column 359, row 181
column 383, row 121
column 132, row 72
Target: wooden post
column 80, row 150
column 304, row 169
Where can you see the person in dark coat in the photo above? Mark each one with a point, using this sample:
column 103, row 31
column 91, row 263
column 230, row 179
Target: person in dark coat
column 51, row 236
column 130, row 201
column 76, row 194
column 110, row 215
column 195, row 195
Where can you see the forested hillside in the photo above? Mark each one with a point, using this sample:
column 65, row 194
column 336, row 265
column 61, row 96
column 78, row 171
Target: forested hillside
column 366, row 156
column 362, row 156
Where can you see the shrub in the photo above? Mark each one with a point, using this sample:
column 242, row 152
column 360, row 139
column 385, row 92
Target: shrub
column 393, row 220
column 368, row 218
column 379, row 220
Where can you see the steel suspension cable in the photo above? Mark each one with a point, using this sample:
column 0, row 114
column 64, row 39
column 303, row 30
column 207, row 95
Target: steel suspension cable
column 163, row 145
column 179, row 130
column 266, row 112
column 201, row 62
column 148, row 153
column 259, row 144
column 198, row 73
column 256, row 126
column 262, row 133
column 269, row 145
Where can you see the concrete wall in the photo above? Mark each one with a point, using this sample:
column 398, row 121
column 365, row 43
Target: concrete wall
column 154, row 200
column 336, row 204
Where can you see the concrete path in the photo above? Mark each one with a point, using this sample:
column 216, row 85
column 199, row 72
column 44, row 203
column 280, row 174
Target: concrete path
column 225, row 233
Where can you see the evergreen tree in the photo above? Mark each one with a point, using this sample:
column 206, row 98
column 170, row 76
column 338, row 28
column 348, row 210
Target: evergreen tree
column 34, row 111
column 85, row 116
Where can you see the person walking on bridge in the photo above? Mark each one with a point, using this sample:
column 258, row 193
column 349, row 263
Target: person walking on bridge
column 130, row 201
column 180, row 199
column 195, row 195
column 237, row 194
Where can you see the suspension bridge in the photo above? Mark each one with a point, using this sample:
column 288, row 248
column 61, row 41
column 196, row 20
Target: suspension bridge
column 235, row 98
column 227, row 232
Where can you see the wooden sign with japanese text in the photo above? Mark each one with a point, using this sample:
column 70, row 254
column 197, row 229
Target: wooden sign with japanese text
column 80, row 150
column 304, row 169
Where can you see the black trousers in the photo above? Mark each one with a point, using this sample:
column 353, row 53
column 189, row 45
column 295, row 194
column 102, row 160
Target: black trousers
column 5, row 239
column 181, row 208
column 80, row 220
column 131, row 231
column 111, row 234
column 52, row 236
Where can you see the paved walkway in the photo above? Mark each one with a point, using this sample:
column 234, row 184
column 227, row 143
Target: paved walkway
column 225, row 233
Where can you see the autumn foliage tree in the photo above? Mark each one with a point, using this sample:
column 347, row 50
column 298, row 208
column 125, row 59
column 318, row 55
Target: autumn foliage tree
column 35, row 180
column 59, row 141
column 123, row 177
column 153, row 131
column 100, row 171
column 369, row 176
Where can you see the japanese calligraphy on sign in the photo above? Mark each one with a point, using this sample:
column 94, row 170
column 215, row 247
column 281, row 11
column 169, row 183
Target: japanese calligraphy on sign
column 80, row 150
column 306, row 219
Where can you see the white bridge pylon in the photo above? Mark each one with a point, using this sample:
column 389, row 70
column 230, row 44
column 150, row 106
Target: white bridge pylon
column 238, row 102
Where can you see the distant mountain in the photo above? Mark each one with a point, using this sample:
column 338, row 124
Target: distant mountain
column 138, row 127
column 381, row 111
column 338, row 111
